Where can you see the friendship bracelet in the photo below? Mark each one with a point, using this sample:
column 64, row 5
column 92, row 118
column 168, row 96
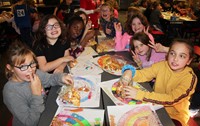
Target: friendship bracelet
column 129, row 67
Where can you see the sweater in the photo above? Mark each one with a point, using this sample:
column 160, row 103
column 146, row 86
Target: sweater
column 25, row 107
column 155, row 57
column 172, row 89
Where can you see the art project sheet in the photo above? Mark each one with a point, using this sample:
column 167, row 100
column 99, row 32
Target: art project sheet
column 109, row 87
column 78, row 117
column 90, row 98
column 134, row 115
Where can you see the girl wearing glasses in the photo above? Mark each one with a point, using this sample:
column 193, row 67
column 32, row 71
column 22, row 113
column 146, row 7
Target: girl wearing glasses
column 23, row 94
column 50, row 45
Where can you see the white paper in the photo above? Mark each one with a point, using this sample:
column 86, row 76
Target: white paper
column 88, row 99
column 91, row 116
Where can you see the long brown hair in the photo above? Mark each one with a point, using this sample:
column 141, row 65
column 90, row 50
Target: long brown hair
column 143, row 38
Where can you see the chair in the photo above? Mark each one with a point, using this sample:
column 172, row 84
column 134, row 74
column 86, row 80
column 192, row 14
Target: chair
column 10, row 122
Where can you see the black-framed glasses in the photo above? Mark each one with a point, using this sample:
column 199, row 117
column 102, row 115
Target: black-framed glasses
column 25, row 67
column 50, row 27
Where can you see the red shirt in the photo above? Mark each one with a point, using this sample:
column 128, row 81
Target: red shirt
column 91, row 5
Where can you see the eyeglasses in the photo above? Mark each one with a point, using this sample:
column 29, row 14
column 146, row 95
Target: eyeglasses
column 50, row 27
column 25, row 67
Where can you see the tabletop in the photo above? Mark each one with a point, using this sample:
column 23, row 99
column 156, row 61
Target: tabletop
column 51, row 105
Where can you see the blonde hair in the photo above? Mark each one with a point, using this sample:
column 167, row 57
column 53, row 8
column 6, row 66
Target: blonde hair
column 16, row 55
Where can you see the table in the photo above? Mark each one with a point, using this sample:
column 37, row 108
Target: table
column 51, row 105
column 173, row 28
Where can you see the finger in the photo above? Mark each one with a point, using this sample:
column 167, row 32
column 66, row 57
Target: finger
column 151, row 46
column 31, row 76
column 133, row 53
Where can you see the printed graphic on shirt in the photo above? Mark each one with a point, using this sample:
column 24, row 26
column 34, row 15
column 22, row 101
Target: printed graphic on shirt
column 20, row 12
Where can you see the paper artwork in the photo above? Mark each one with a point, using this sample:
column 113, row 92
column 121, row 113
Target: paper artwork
column 88, row 89
column 110, row 87
column 133, row 115
column 78, row 117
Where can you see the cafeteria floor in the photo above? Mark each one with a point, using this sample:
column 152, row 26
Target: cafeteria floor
column 5, row 115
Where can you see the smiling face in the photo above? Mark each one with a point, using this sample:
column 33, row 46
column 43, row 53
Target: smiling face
column 53, row 30
column 21, row 76
column 137, row 25
column 106, row 13
column 76, row 29
column 178, row 57
column 140, row 48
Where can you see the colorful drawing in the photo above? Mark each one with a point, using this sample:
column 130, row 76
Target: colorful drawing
column 137, row 115
column 110, row 88
column 88, row 89
column 117, row 92
column 77, row 117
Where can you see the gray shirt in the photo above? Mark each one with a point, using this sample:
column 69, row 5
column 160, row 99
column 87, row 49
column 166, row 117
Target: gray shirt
column 25, row 107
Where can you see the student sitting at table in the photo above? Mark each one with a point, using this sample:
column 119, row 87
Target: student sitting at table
column 134, row 24
column 142, row 53
column 115, row 5
column 50, row 45
column 107, row 20
column 75, row 27
column 23, row 93
column 88, row 33
column 174, row 85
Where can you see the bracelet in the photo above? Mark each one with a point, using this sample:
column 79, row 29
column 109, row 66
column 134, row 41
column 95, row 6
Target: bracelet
column 129, row 67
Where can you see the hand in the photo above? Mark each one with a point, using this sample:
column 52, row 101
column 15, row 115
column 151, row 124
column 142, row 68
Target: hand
column 146, row 30
column 88, row 25
column 36, row 86
column 126, row 77
column 118, row 27
column 67, row 80
column 130, row 92
column 67, row 58
column 108, row 31
column 158, row 47
column 136, row 59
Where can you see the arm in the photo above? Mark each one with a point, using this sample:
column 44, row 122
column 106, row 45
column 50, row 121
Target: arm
column 55, row 11
column 60, row 68
column 16, row 101
column 50, row 66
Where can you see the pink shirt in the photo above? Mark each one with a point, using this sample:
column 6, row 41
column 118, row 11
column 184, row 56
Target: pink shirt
column 155, row 57
column 122, row 42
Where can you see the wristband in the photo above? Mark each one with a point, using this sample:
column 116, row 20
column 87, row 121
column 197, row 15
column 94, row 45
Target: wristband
column 129, row 67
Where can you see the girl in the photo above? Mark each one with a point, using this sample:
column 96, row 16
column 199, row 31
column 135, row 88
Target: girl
column 175, row 81
column 23, row 94
column 143, row 54
column 87, row 33
column 74, row 29
column 134, row 24
column 50, row 45
column 107, row 20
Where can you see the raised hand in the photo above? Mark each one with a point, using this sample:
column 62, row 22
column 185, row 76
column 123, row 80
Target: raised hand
column 136, row 59
column 146, row 30
column 158, row 47
column 118, row 27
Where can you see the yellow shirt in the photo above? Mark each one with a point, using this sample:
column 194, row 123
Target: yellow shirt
column 171, row 89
